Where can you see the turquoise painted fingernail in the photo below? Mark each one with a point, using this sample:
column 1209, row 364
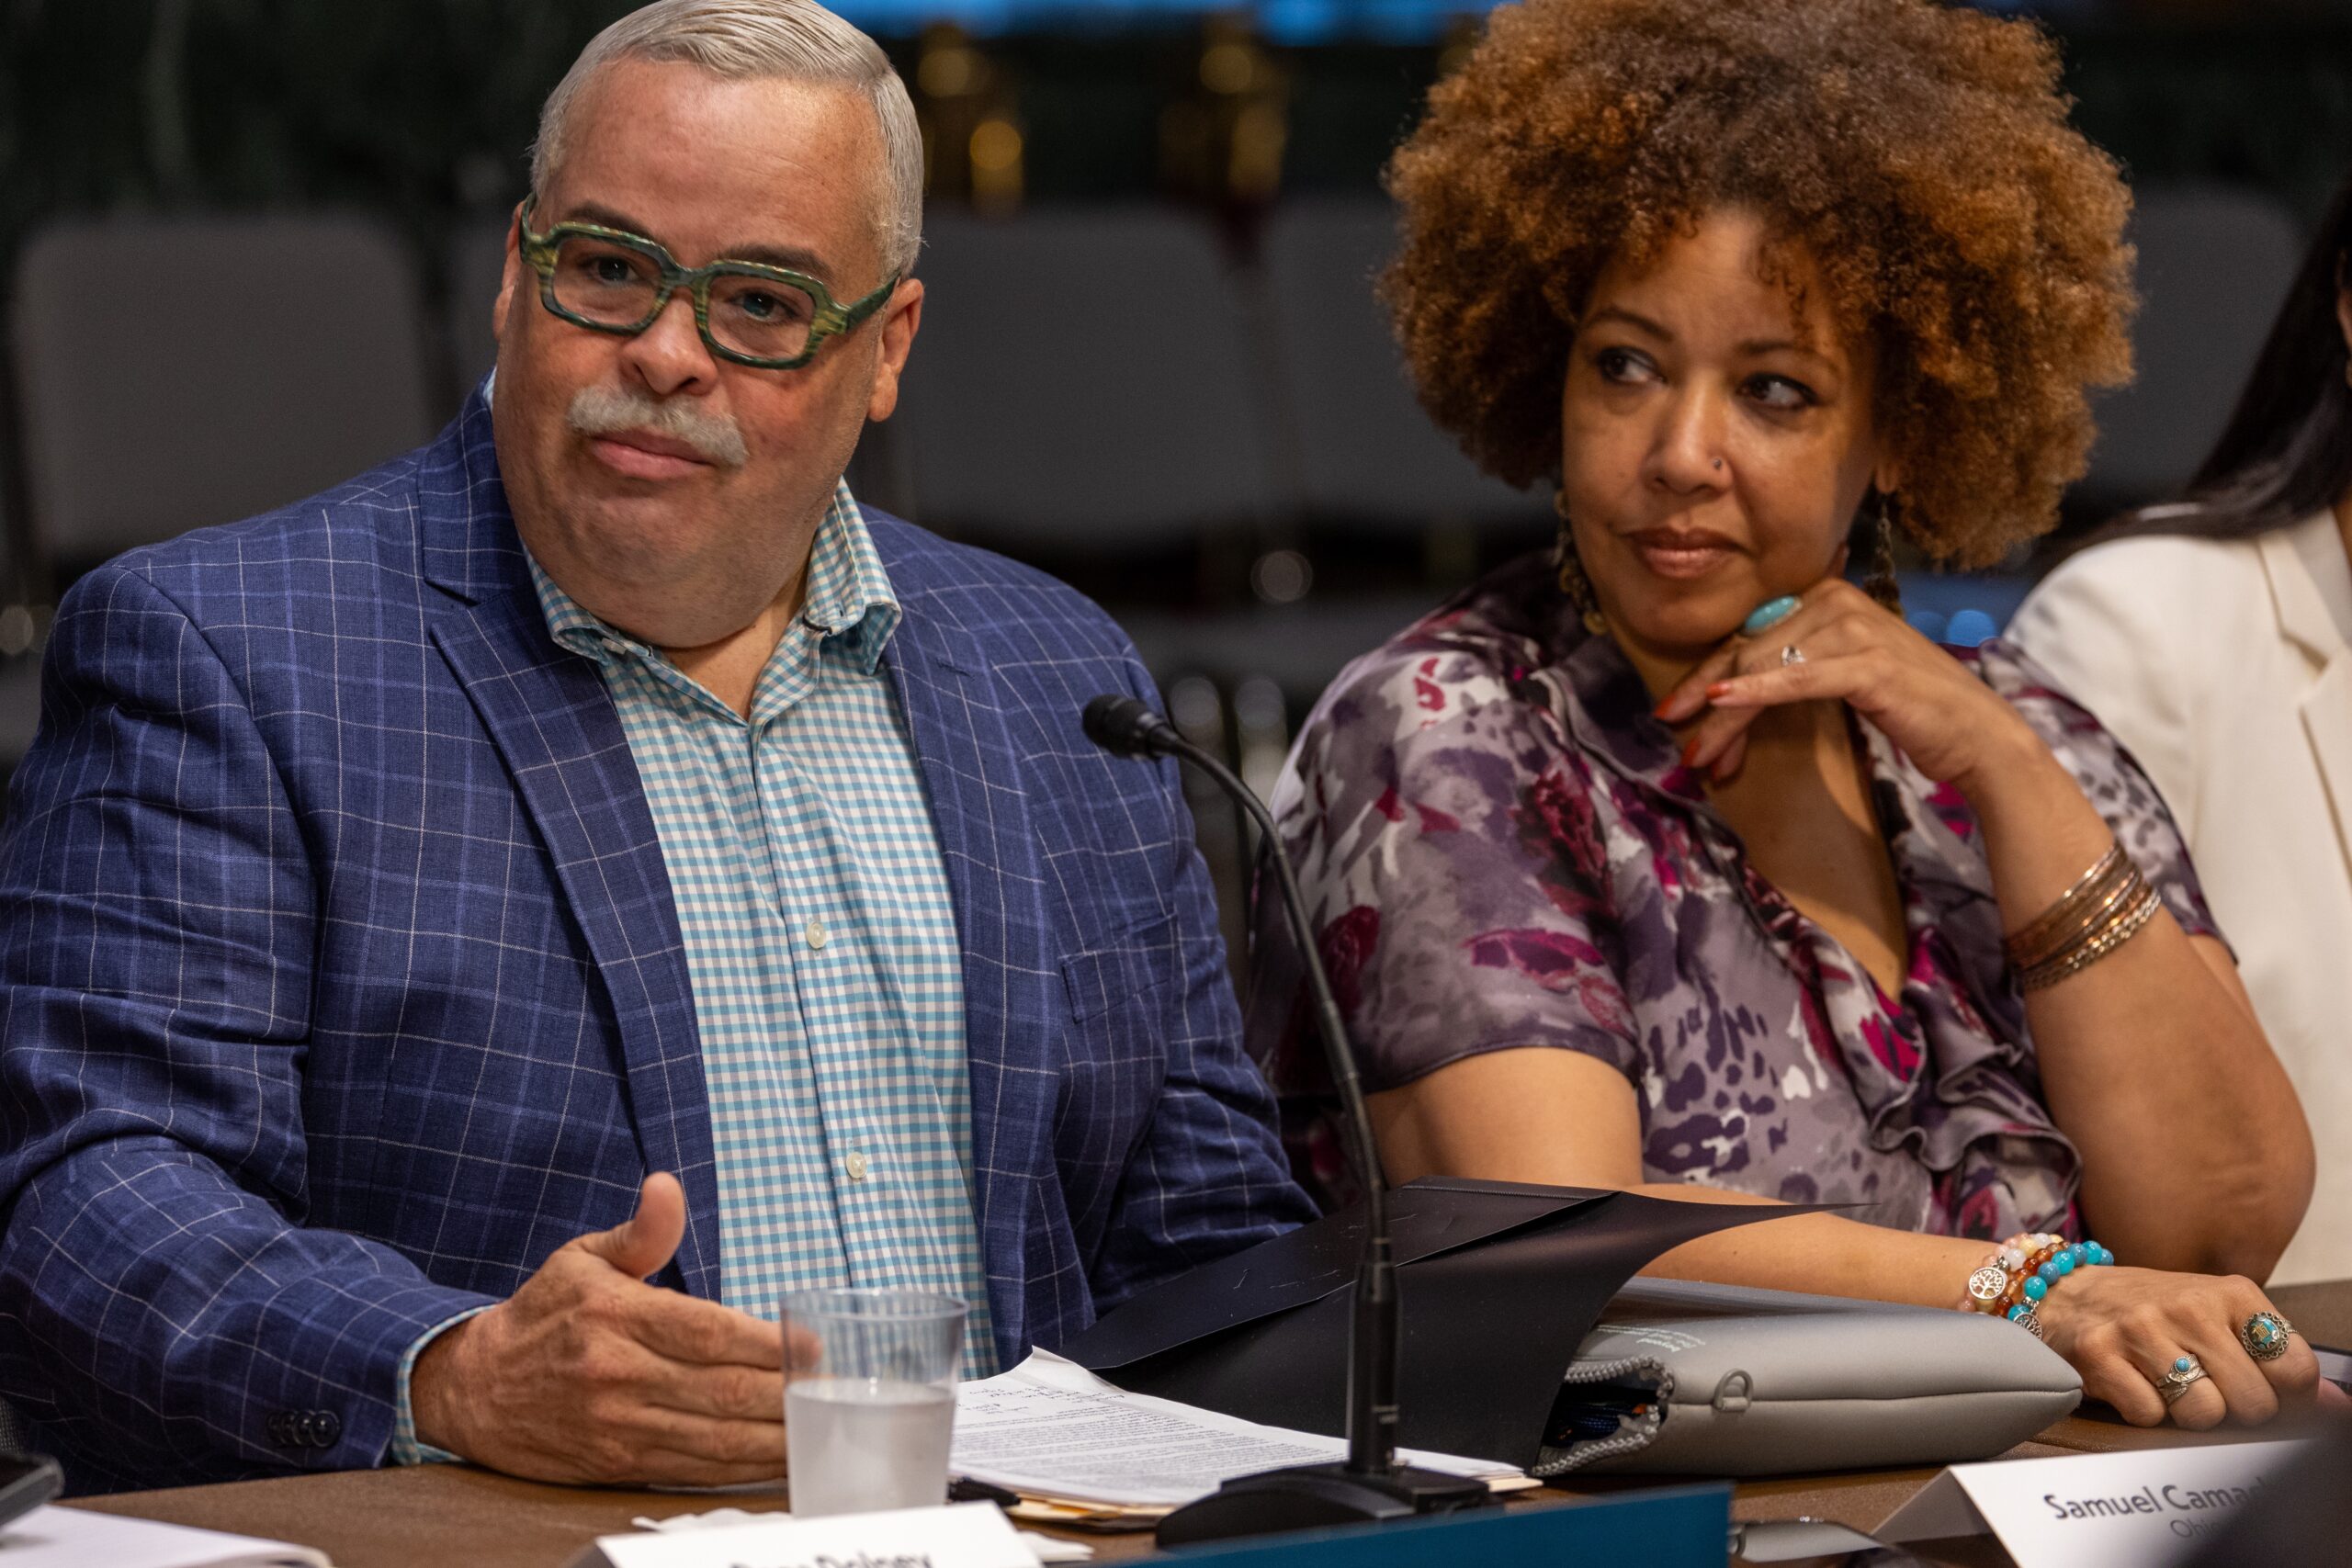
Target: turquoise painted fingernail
column 1769, row 614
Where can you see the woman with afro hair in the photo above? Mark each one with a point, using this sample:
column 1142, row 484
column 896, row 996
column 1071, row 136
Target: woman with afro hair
column 1671, row 861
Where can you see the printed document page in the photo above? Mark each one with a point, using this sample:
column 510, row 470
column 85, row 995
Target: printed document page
column 51, row 1537
column 1051, row 1428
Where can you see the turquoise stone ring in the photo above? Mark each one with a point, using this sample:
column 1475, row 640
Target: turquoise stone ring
column 1769, row 614
column 2265, row 1335
column 2186, row 1369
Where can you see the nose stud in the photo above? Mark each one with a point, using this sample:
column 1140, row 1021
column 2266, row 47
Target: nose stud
column 1719, row 465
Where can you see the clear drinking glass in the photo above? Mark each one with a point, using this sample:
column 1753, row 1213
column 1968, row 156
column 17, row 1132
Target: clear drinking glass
column 867, row 1423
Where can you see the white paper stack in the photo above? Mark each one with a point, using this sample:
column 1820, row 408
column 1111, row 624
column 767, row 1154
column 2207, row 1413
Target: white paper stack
column 1070, row 1445
column 51, row 1537
column 1047, row 1548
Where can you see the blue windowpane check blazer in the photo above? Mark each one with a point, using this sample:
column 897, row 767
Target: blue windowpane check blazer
column 343, row 982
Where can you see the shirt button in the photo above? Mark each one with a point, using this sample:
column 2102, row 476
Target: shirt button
column 856, row 1166
column 816, row 934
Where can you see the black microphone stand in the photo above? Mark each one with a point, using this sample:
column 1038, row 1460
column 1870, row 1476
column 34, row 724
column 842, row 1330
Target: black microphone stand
column 1369, row 1485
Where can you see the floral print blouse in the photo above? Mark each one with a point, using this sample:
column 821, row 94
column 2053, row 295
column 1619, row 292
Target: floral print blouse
column 1500, row 848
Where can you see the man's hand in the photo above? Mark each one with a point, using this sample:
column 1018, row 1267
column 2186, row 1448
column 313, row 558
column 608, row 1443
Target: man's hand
column 589, row 1374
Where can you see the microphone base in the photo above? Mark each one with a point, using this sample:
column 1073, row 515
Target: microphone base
column 1319, row 1496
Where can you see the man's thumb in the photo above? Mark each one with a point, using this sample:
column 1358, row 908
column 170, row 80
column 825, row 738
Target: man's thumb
column 649, row 1239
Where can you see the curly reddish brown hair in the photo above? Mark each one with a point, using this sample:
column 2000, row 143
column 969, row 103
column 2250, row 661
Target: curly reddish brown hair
column 1919, row 154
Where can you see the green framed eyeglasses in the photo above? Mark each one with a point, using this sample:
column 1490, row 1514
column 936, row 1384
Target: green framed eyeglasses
column 610, row 281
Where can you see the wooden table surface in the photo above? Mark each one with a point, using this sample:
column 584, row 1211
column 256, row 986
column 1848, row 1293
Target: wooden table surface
column 2323, row 1313
column 448, row 1516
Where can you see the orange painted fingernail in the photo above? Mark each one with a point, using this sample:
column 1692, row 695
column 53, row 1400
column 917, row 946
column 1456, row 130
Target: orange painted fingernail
column 1719, row 689
column 1691, row 751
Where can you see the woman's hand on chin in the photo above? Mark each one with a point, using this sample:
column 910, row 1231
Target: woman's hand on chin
column 2125, row 1328
column 1849, row 648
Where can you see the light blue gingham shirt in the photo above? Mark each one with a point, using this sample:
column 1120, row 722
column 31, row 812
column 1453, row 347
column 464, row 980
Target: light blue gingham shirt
column 820, row 942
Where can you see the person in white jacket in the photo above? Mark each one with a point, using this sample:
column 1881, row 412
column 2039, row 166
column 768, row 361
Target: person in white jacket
column 2214, row 638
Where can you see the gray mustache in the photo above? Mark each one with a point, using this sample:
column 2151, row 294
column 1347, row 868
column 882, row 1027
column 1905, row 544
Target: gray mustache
column 617, row 410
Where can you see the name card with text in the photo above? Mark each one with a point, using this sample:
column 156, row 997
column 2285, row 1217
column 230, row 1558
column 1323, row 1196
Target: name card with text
column 2139, row 1509
column 958, row 1535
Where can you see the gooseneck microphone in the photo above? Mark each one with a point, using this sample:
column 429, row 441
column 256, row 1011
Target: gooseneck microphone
column 1369, row 1485
column 1126, row 726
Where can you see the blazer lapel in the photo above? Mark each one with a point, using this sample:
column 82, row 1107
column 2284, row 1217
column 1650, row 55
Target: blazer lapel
column 2327, row 721
column 547, row 712
column 979, row 804
column 2305, row 619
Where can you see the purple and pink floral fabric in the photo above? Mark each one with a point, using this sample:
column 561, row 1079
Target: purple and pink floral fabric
column 1500, row 848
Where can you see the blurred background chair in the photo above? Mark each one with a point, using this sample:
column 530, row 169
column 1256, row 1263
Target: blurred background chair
column 23, row 622
column 1083, row 390
column 1363, row 473
column 476, row 259
column 184, row 371
column 19, row 710
column 2215, row 263
column 1365, row 453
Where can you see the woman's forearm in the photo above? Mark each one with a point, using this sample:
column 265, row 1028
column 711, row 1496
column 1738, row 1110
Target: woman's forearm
column 1824, row 1255
column 1562, row 1118
column 2121, row 1328
column 2196, row 1154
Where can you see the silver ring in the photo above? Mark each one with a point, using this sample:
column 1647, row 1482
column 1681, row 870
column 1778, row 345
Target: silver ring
column 2265, row 1335
column 2186, row 1369
column 1791, row 654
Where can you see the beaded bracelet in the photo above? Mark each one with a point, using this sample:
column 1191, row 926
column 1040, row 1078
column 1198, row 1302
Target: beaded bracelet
column 2012, row 1282
column 2032, row 1241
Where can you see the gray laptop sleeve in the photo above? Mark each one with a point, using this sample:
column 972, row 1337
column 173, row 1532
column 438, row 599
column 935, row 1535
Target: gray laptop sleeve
column 1715, row 1379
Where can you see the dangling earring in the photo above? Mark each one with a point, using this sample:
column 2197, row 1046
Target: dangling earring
column 1881, row 583
column 1574, row 585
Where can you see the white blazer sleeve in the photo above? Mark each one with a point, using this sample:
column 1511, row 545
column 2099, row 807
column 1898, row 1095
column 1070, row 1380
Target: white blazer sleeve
column 2105, row 624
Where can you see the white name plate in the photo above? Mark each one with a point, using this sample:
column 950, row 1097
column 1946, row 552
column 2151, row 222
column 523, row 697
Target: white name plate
column 2140, row 1509
column 957, row 1535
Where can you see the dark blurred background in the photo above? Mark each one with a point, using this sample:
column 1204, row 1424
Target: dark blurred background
column 251, row 245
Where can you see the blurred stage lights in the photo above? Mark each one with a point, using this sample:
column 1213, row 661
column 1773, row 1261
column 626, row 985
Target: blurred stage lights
column 1282, row 577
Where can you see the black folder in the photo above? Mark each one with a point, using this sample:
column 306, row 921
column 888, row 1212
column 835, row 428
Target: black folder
column 1500, row 1284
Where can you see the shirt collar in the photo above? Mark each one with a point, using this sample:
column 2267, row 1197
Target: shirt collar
column 1594, row 690
column 849, row 592
column 847, row 596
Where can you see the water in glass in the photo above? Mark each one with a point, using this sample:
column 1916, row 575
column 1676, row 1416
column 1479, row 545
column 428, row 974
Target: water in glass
column 858, row 1444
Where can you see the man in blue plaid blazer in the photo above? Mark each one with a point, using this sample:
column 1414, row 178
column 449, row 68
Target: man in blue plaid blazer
column 355, row 959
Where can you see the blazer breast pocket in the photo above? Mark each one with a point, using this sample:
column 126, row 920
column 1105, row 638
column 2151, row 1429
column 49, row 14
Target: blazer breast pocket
column 1114, row 1058
column 1101, row 981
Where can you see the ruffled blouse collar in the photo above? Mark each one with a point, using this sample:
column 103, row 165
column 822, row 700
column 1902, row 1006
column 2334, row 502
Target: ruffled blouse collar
column 1947, row 1068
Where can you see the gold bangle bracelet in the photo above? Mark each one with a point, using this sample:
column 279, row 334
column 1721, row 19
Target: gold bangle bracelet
column 2108, row 870
column 2097, row 946
column 2094, row 944
column 2075, row 963
column 2100, row 907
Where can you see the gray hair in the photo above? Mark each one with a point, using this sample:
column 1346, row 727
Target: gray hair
column 794, row 41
